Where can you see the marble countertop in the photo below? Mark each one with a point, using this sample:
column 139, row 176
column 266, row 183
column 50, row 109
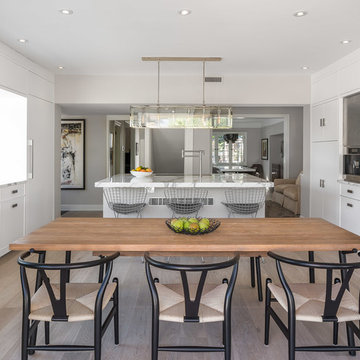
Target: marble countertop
column 209, row 181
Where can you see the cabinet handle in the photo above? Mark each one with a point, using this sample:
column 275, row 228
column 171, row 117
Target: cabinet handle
column 349, row 205
column 14, row 205
column 349, row 191
column 321, row 122
column 324, row 124
column 14, row 192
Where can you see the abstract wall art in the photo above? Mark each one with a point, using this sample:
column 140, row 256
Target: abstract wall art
column 73, row 154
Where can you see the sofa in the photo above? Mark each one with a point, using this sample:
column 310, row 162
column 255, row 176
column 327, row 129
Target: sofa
column 287, row 194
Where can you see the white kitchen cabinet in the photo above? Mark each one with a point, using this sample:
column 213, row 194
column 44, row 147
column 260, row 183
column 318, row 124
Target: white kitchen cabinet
column 12, row 224
column 40, row 189
column 350, row 210
column 325, row 190
column 325, row 121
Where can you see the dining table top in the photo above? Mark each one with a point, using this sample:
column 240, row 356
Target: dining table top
column 132, row 236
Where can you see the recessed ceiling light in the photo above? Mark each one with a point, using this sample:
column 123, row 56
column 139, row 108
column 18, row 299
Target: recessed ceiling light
column 185, row 12
column 300, row 13
column 345, row 42
column 305, row 67
column 66, row 11
column 60, row 67
column 23, row 41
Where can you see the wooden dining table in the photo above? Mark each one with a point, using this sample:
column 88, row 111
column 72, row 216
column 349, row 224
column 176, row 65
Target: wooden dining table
column 133, row 237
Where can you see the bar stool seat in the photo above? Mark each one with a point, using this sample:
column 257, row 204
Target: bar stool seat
column 310, row 302
column 172, row 302
column 80, row 301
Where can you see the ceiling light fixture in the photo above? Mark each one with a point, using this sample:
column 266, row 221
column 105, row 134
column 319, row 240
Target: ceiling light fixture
column 66, row 12
column 181, row 116
column 300, row 13
column 305, row 68
column 185, row 12
column 22, row 41
column 345, row 42
column 60, row 67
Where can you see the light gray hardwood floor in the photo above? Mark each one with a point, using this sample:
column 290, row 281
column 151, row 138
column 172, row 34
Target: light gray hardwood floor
column 135, row 310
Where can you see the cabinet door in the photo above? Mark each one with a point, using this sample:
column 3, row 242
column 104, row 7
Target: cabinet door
column 316, row 192
column 317, row 114
column 331, row 121
column 40, row 189
column 350, row 210
column 12, row 222
column 330, row 172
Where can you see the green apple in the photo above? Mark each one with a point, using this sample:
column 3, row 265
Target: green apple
column 194, row 228
column 203, row 226
column 193, row 221
column 186, row 225
column 178, row 225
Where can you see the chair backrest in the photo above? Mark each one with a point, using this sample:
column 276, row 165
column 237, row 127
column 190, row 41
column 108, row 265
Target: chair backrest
column 259, row 169
column 192, row 306
column 59, row 304
column 125, row 196
column 185, row 195
column 332, row 301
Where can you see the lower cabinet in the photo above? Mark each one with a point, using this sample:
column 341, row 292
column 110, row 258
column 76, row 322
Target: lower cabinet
column 12, row 220
column 350, row 207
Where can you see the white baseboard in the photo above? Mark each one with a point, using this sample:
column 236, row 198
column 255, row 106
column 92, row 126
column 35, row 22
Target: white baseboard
column 81, row 207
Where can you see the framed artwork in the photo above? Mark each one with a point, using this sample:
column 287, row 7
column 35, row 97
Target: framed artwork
column 73, row 154
column 264, row 149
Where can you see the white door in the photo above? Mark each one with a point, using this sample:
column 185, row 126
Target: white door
column 317, row 114
column 40, row 189
column 331, row 121
column 316, row 191
column 330, row 171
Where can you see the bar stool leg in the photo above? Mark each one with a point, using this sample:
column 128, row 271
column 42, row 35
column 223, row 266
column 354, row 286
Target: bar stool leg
column 258, row 278
column 252, row 271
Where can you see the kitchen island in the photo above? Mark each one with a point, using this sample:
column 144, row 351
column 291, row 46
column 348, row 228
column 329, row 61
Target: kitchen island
column 214, row 184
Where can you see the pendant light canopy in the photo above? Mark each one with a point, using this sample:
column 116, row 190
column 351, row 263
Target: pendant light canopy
column 181, row 116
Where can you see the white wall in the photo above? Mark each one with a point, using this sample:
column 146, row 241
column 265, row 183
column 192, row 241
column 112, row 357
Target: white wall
column 95, row 166
column 23, row 76
column 235, row 89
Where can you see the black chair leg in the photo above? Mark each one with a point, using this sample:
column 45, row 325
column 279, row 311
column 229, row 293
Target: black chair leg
column 97, row 338
column 350, row 339
column 291, row 340
column 47, row 332
column 335, row 333
column 25, row 338
column 227, row 344
column 311, row 270
column 267, row 312
column 258, row 278
column 116, row 314
column 252, row 271
column 155, row 336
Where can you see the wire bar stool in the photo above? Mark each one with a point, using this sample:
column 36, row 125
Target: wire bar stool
column 124, row 201
column 185, row 201
column 247, row 201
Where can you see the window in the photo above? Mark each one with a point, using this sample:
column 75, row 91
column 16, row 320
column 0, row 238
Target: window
column 224, row 154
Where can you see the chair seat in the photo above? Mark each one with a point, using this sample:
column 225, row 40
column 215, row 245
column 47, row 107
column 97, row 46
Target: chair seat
column 80, row 301
column 281, row 187
column 172, row 302
column 292, row 192
column 310, row 302
column 126, row 208
column 245, row 208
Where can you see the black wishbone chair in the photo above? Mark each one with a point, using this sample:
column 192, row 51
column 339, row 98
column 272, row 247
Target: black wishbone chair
column 193, row 303
column 329, row 302
column 67, row 302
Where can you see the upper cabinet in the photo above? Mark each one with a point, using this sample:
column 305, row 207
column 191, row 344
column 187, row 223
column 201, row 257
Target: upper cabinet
column 325, row 122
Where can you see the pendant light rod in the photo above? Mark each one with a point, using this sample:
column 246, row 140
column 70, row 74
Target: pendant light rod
column 204, row 82
column 169, row 58
column 158, row 89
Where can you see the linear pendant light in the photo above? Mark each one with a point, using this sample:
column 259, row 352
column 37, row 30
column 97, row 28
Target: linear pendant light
column 181, row 116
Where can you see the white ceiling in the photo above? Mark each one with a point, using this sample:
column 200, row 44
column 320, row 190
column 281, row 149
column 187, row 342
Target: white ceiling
column 252, row 36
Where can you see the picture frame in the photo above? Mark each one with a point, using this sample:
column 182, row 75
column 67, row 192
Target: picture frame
column 73, row 154
column 264, row 149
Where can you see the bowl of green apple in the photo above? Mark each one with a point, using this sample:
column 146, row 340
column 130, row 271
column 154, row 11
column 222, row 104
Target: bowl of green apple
column 192, row 226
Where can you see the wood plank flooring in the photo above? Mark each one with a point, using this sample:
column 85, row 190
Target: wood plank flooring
column 135, row 310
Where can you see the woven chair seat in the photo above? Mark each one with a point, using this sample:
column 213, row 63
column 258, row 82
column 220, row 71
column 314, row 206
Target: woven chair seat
column 80, row 301
column 310, row 302
column 243, row 208
column 172, row 302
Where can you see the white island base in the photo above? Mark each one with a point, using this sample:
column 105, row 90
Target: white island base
column 215, row 184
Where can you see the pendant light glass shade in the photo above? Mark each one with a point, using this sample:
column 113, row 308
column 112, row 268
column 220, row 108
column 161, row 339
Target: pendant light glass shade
column 181, row 116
